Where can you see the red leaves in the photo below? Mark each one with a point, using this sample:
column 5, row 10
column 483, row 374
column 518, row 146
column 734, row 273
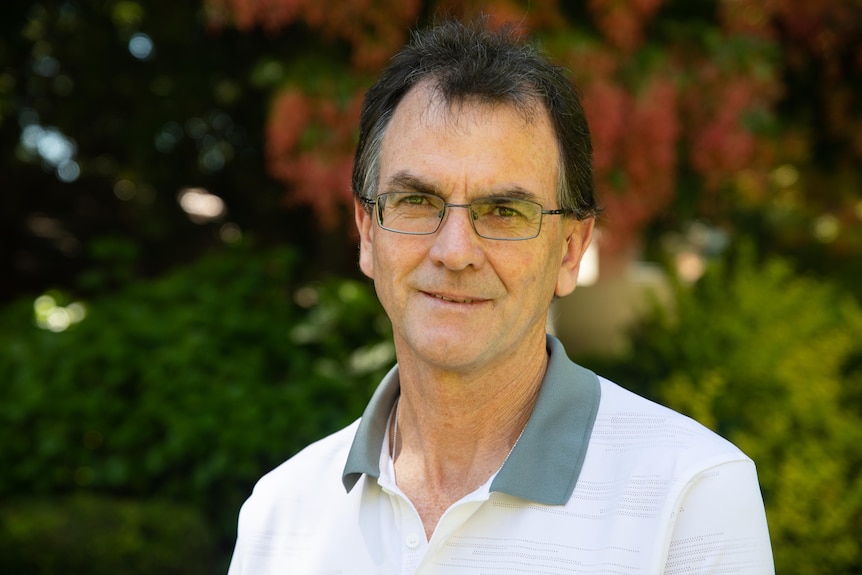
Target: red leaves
column 310, row 149
column 375, row 29
column 720, row 144
column 310, row 138
column 605, row 104
column 665, row 99
column 635, row 161
column 622, row 22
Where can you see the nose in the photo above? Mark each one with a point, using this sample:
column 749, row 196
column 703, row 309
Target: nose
column 456, row 244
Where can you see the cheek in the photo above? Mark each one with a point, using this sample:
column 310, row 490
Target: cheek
column 382, row 263
column 529, row 277
column 544, row 279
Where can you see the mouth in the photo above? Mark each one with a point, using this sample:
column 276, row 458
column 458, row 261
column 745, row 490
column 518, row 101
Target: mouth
column 455, row 299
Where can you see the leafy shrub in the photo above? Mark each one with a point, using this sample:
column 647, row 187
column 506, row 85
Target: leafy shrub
column 772, row 361
column 102, row 536
column 189, row 387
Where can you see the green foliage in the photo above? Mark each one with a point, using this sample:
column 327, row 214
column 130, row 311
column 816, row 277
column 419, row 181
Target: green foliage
column 188, row 387
column 101, row 536
column 771, row 361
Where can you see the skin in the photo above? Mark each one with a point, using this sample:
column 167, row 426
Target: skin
column 468, row 313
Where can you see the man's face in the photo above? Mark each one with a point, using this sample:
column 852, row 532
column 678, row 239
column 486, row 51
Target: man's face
column 459, row 302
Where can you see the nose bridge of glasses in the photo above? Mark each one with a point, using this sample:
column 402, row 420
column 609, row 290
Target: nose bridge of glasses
column 472, row 212
column 444, row 209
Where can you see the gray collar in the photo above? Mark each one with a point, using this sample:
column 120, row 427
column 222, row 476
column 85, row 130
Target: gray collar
column 544, row 465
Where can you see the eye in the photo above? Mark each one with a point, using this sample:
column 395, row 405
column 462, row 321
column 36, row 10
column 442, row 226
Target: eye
column 413, row 202
column 504, row 208
column 414, row 199
column 504, row 211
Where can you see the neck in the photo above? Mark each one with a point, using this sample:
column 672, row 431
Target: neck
column 457, row 429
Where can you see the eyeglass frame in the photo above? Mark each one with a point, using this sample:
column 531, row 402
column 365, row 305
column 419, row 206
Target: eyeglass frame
column 446, row 205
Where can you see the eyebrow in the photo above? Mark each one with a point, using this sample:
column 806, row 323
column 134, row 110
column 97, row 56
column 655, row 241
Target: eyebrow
column 405, row 181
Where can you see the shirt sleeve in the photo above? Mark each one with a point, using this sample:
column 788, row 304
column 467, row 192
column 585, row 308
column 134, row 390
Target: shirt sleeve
column 236, row 567
column 235, row 562
column 720, row 525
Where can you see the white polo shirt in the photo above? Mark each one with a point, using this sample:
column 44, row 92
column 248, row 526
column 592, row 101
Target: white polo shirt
column 601, row 481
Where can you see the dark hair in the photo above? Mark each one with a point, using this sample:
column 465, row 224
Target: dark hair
column 471, row 61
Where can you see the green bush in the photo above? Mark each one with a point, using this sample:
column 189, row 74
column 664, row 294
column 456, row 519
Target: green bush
column 771, row 361
column 186, row 388
column 101, row 536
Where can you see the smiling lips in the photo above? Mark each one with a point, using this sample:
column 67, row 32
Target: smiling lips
column 456, row 299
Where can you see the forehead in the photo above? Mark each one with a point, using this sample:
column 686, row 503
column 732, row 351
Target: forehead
column 471, row 145
column 425, row 103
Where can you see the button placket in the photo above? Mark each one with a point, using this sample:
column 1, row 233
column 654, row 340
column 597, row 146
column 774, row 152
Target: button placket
column 411, row 541
column 411, row 533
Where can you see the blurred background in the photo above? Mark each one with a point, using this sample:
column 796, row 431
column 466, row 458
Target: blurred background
column 180, row 306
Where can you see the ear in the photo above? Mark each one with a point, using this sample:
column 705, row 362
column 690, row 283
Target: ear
column 576, row 244
column 365, row 225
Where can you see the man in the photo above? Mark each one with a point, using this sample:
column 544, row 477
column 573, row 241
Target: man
column 486, row 450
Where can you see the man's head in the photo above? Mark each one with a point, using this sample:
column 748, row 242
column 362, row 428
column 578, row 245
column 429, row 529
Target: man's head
column 469, row 63
column 465, row 117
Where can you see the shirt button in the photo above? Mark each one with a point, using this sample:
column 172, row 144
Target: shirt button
column 412, row 541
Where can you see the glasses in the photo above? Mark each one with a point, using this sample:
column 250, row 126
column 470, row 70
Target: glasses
column 418, row 213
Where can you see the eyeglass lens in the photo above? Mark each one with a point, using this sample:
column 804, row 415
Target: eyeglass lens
column 492, row 218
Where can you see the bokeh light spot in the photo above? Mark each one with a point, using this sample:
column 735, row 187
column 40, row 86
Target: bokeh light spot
column 141, row 46
column 200, row 205
column 785, row 176
column 230, row 233
column 68, row 171
column 51, row 316
column 826, row 228
column 125, row 190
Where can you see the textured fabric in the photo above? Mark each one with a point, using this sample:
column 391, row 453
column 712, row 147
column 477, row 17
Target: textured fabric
column 656, row 493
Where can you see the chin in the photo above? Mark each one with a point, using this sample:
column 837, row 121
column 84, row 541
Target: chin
column 445, row 349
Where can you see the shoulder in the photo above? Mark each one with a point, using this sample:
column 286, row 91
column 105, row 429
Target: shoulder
column 645, row 432
column 647, row 459
column 687, row 493
column 301, row 500
column 317, row 467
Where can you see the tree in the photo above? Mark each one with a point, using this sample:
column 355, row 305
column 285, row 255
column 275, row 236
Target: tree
column 138, row 136
column 109, row 110
column 737, row 113
column 773, row 362
column 696, row 110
